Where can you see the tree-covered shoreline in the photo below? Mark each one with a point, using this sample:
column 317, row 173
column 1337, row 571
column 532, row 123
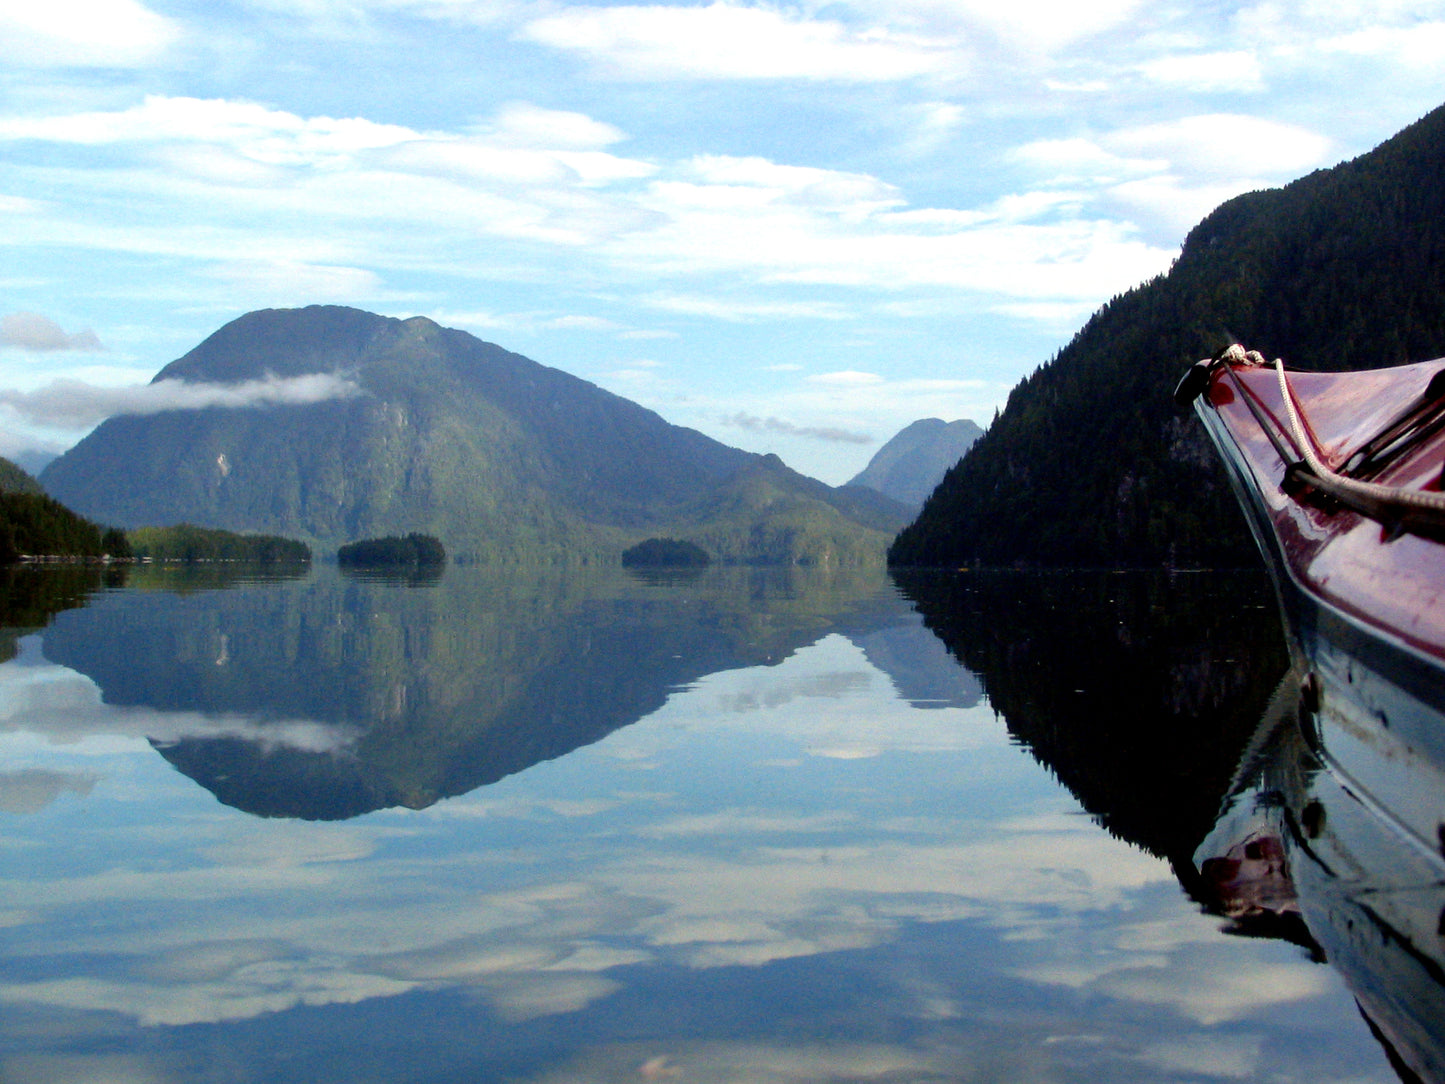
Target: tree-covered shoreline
column 1090, row 464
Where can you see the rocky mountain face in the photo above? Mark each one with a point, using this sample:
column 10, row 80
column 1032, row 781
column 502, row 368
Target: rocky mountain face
column 421, row 428
column 916, row 458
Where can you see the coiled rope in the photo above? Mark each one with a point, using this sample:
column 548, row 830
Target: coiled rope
column 1349, row 490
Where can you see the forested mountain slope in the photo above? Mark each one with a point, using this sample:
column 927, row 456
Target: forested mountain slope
column 501, row 458
column 1090, row 464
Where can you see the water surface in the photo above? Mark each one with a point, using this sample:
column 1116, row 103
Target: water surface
column 740, row 826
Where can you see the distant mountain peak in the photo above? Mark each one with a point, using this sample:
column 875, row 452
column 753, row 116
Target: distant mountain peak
column 912, row 463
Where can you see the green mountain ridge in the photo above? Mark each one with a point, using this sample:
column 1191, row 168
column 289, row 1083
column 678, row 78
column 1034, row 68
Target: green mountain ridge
column 1089, row 464
column 503, row 459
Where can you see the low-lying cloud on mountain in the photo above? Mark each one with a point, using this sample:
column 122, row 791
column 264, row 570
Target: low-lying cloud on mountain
column 76, row 404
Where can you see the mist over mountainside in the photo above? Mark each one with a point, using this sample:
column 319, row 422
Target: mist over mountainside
column 428, row 429
column 1090, row 463
column 912, row 463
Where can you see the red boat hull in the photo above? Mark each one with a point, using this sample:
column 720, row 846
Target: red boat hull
column 1343, row 559
column 1365, row 607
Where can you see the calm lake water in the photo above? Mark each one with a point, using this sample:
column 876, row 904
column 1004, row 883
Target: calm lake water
column 744, row 826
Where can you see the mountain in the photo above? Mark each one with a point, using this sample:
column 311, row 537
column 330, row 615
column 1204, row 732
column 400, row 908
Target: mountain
column 917, row 457
column 501, row 458
column 1090, row 464
column 15, row 479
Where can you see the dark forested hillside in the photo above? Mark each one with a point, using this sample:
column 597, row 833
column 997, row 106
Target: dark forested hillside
column 1090, row 464
column 34, row 525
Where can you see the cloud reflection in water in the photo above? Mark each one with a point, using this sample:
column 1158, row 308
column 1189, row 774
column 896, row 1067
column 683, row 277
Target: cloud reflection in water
column 723, row 891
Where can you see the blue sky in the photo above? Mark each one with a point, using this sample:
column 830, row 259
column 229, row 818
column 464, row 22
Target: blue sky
column 795, row 227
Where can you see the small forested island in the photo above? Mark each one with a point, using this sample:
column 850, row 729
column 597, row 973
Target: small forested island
column 189, row 543
column 665, row 553
column 419, row 550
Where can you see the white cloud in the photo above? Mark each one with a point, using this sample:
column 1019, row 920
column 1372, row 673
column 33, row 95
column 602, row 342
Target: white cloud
column 1166, row 177
column 29, row 448
column 72, row 404
column 1237, row 72
column 1030, row 26
column 723, row 308
column 1208, row 984
column 82, row 34
column 32, row 331
column 1196, row 151
column 1394, row 31
column 733, row 41
column 778, row 234
column 581, row 323
column 1225, row 145
column 934, row 125
column 267, row 135
column 18, row 205
column 285, row 280
column 63, row 708
column 390, row 196
column 1077, row 159
column 846, row 378
column 1176, row 204
column 1420, row 47
column 30, row 790
column 523, row 124
column 827, row 434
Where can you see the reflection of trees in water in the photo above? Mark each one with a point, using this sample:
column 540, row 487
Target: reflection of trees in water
column 1168, row 706
column 434, row 692
column 1137, row 690
column 30, row 596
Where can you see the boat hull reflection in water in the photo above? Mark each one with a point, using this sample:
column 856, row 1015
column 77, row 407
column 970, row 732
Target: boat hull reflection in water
column 743, row 827
column 1331, row 838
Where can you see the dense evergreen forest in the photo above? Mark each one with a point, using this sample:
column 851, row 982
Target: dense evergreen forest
column 1089, row 464
column 665, row 553
column 34, row 525
column 188, row 543
column 420, row 550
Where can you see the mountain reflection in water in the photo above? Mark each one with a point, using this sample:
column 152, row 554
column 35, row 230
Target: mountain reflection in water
column 357, row 696
column 741, row 826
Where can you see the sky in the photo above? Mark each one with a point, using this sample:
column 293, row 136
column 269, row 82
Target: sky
column 796, row 227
